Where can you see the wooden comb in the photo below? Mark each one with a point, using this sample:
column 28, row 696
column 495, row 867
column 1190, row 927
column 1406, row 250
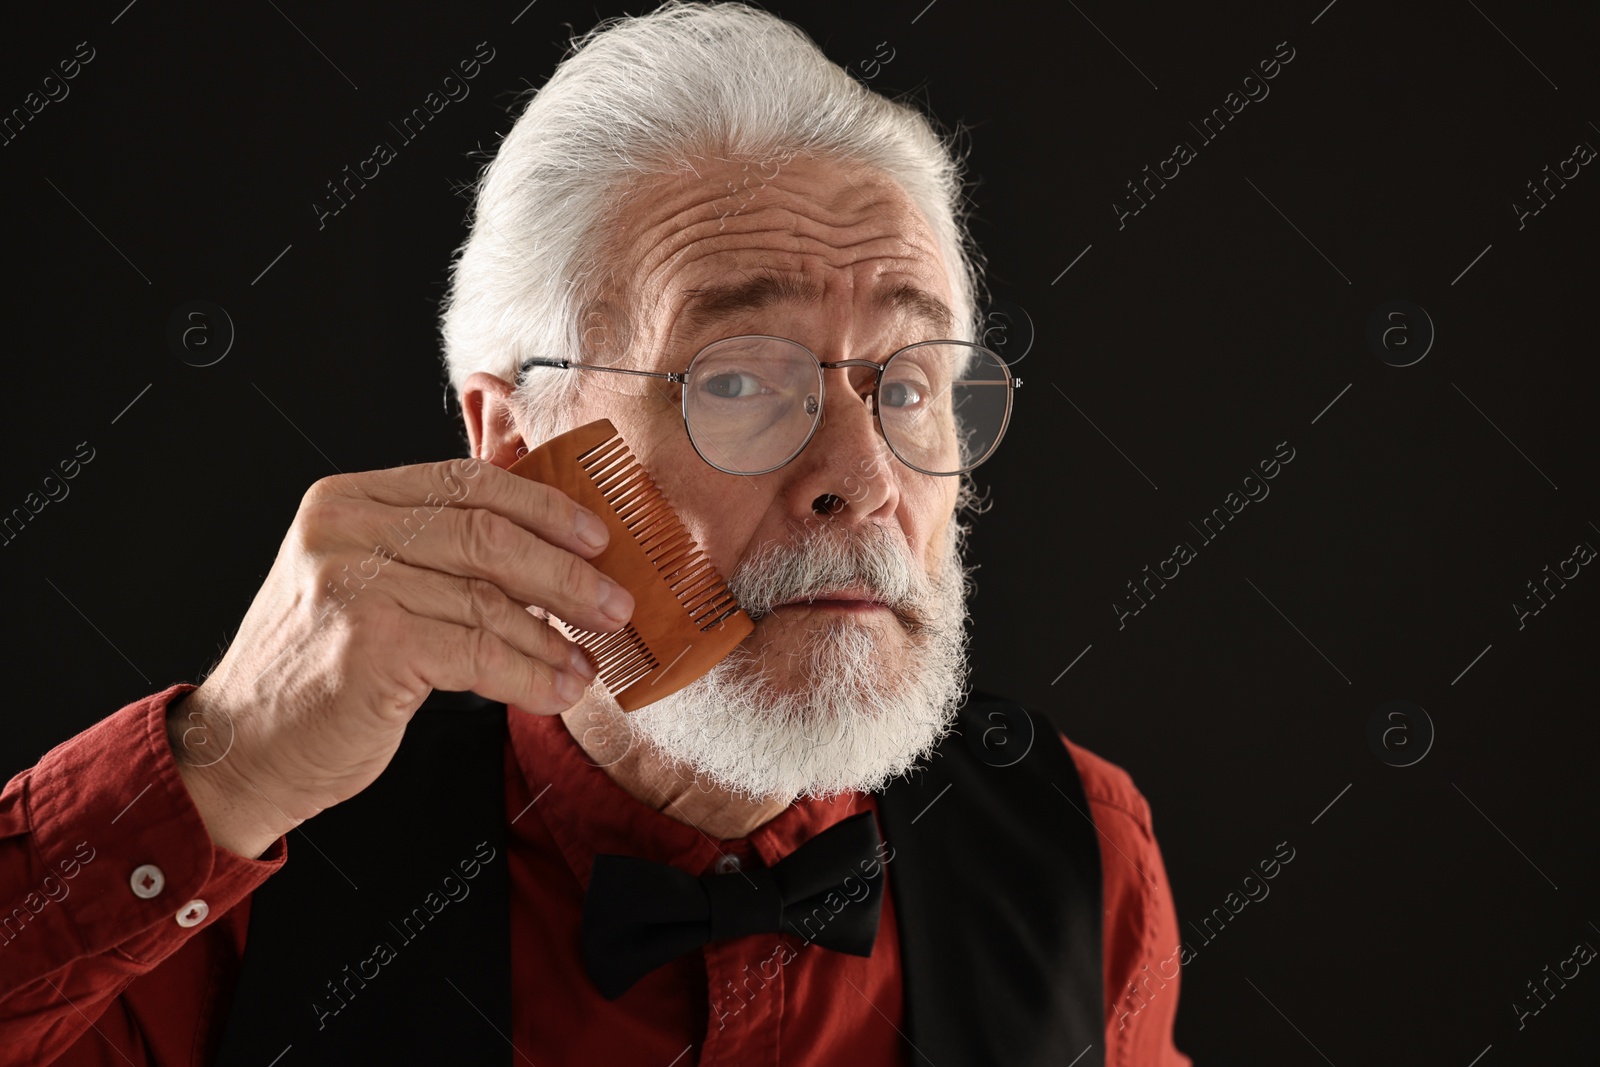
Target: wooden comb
column 684, row 620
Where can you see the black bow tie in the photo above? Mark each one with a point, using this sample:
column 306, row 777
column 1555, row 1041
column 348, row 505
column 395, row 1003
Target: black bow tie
column 638, row 914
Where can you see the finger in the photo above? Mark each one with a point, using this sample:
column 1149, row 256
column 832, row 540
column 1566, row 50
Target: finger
column 422, row 488
column 445, row 655
column 478, row 543
column 475, row 602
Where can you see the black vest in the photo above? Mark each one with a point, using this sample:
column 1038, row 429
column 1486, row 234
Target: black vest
column 995, row 877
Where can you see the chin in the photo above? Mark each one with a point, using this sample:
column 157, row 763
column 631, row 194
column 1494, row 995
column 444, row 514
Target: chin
column 801, row 655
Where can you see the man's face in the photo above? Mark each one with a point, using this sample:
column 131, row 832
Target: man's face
column 853, row 236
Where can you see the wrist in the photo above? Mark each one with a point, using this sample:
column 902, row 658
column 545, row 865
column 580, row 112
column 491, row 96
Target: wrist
column 237, row 815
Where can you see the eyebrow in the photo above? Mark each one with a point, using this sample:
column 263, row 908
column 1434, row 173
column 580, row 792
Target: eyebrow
column 708, row 305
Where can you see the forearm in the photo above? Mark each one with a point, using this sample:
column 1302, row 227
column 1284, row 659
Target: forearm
column 106, row 869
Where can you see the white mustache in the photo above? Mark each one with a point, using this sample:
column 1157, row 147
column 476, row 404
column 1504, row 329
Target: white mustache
column 872, row 560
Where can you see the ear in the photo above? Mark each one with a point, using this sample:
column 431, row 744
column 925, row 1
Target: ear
column 491, row 428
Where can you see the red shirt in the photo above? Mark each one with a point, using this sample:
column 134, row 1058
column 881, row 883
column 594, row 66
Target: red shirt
column 108, row 957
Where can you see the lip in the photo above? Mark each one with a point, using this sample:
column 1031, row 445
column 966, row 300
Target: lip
column 837, row 600
column 837, row 605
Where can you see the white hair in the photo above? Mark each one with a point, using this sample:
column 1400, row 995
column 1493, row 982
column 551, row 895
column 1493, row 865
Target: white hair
column 635, row 97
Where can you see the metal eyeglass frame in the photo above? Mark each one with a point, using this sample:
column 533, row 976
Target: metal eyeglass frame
column 682, row 378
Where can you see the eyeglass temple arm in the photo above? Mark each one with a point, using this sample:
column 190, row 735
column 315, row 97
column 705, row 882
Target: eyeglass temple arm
column 680, row 378
column 566, row 364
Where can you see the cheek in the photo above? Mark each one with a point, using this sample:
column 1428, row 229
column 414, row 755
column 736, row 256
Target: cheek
column 720, row 511
column 925, row 509
column 726, row 524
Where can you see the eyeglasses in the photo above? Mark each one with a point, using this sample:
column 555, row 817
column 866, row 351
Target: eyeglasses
column 751, row 403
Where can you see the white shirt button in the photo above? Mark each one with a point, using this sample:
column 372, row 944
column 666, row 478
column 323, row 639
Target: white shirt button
column 193, row 913
column 726, row 863
column 147, row 880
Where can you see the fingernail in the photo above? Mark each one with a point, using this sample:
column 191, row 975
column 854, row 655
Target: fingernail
column 615, row 601
column 569, row 687
column 581, row 664
column 591, row 530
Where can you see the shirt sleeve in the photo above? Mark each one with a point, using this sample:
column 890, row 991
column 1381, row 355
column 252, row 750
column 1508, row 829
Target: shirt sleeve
column 1142, row 947
column 106, row 870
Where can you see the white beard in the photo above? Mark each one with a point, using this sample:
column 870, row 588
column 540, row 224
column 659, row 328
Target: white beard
column 854, row 719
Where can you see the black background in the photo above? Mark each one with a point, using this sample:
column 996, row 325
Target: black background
column 1221, row 320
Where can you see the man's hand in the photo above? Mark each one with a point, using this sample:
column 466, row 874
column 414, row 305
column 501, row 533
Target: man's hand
column 388, row 585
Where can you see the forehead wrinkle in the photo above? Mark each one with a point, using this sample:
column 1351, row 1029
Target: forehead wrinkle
column 764, row 288
column 783, row 239
column 662, row 268
column 691, row 210
column 686, row 240
column 879, row 253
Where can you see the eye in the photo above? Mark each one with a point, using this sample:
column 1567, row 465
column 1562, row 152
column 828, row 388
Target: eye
column 901, row 394
column 732, row 385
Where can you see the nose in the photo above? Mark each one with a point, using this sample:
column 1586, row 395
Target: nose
column 846, row 471
column 848, row 425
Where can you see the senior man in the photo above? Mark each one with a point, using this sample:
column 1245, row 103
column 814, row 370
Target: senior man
column 704, row 231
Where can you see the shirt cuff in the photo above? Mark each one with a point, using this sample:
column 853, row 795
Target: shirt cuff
column 112, row 820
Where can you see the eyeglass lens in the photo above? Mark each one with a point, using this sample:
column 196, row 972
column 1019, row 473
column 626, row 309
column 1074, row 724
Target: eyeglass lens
column 751, row 403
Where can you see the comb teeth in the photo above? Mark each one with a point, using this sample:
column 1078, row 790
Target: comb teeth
column 685, row 620
column 621, row 657
column 636, row 500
